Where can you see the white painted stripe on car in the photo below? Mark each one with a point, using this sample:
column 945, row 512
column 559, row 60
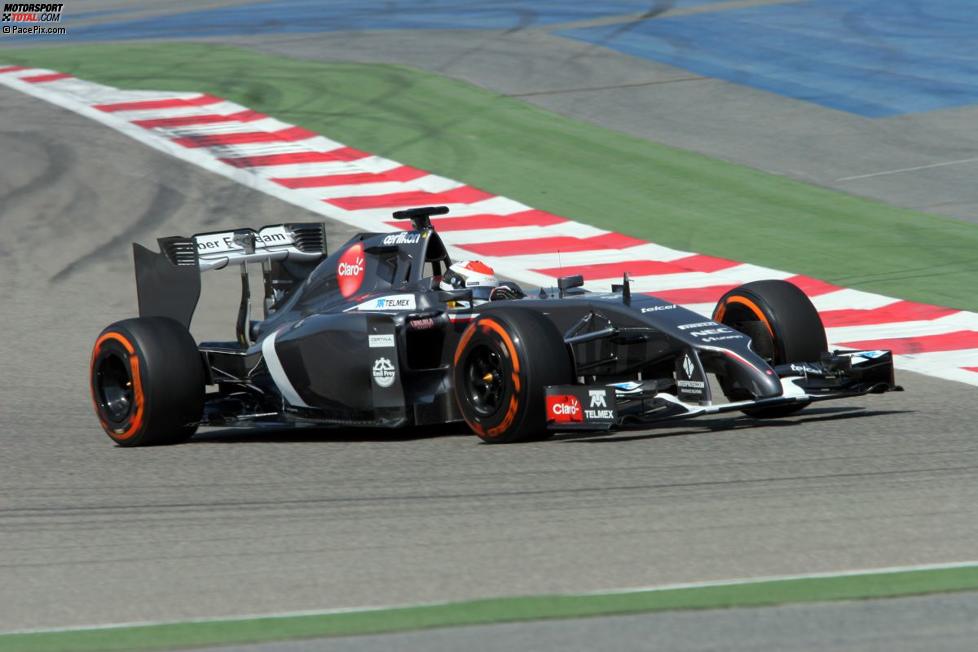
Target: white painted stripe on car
column 278, row 372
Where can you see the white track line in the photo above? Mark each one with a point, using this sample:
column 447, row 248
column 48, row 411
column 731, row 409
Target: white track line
column 743, row 581
column 913, row 169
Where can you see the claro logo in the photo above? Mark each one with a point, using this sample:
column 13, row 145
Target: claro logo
column 350, row 270
column 564, row 408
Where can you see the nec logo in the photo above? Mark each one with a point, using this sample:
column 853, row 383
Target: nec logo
column 564, row 408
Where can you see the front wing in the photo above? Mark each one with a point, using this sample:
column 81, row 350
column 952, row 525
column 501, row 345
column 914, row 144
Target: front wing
column 632, row 404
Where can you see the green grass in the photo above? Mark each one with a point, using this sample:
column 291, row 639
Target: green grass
column 157, row 637
column 565, row 166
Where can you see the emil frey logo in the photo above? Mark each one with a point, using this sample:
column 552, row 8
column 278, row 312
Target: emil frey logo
column 383, row 372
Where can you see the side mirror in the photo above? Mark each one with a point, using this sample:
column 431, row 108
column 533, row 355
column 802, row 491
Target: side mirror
column 565, row 283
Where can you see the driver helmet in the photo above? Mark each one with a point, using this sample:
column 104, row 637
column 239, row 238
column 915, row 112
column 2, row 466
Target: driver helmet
column 472, row 275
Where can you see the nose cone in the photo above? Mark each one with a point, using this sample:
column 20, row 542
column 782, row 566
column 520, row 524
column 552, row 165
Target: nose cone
column 751, row 372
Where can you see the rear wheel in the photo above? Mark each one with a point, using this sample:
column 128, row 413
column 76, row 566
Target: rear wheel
column 147, row 382
column 502, row 363
column 783, row 325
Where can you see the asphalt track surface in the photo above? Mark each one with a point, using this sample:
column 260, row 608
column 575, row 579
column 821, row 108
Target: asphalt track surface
column 240, row 522
column 937, row 622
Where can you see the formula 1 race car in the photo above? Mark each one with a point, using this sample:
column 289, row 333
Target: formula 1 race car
column 367, row 337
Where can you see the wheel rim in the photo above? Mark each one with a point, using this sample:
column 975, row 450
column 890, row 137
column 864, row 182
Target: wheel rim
column 745, row 321
column 114, row 390
column 483, row 380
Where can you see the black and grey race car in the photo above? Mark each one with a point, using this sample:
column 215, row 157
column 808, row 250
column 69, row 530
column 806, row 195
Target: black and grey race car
column 365, row 337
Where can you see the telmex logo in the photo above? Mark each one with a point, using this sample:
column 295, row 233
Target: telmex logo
column 394, row 303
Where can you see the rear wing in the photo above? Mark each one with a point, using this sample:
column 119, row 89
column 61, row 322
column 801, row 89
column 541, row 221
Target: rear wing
column 168, row 282
column 279, row 242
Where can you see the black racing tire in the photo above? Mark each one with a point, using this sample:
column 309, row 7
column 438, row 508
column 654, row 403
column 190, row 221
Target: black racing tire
column 783, row 325
column 523, row 352
column 147, row 381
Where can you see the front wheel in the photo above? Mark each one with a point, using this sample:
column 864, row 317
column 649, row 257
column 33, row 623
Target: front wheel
column 147, row 382
column 782, row 323
column 503, row 361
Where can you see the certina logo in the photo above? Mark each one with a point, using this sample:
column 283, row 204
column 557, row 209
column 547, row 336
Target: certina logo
column 383, row 371
column 658, row 308
column 380, row 341
column 688, row 366
column 564, row 408
column 350, row 270
column 402, row 238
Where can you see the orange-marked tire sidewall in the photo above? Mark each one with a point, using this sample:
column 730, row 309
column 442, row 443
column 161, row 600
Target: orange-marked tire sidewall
column 115, row 343
column 747, row 303
column 486, row 330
